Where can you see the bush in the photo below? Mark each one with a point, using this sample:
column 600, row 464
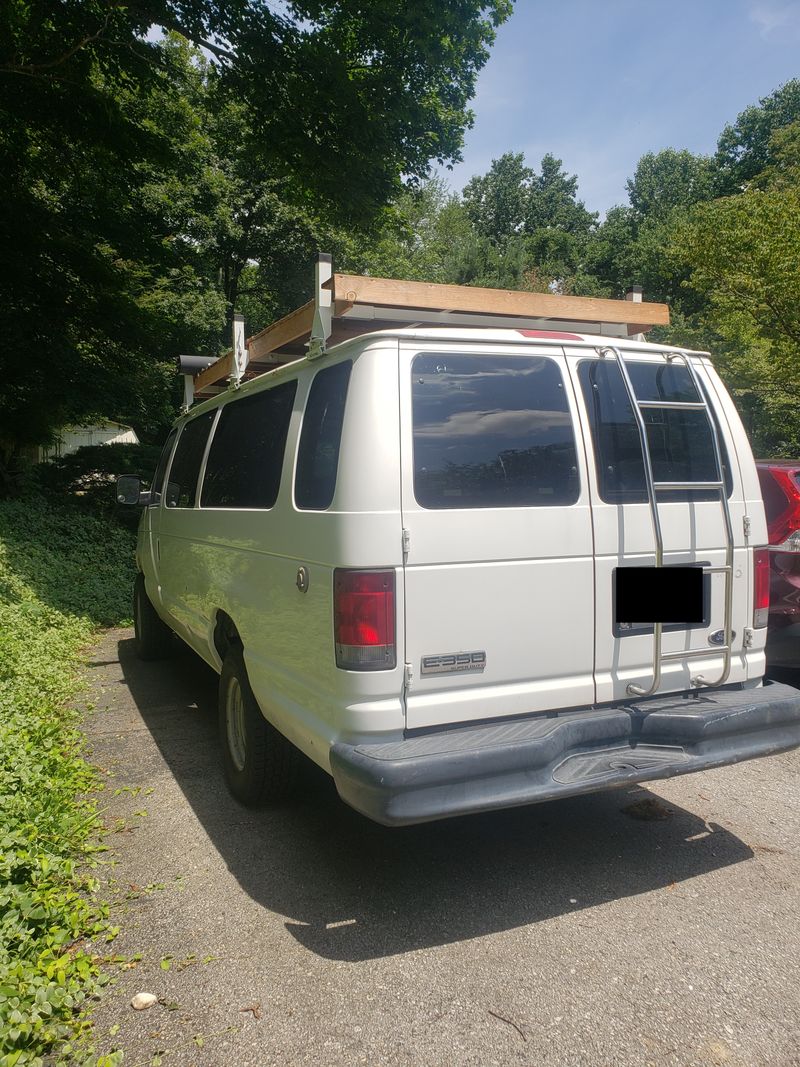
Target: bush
column 87, row 476
column 62, row 573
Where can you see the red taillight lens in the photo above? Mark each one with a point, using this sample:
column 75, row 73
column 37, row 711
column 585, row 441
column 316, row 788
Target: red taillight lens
column 787, row 521
column 363, row 620
column 760, row 587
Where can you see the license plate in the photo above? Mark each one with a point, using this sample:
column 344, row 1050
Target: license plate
column 658, row 594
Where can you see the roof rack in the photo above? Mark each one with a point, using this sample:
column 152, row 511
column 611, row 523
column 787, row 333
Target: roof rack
column 346, row 305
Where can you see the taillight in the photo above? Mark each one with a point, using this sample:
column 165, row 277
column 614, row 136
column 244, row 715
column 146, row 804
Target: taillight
column 760, row 587
column 363, row 620
column 784, row 529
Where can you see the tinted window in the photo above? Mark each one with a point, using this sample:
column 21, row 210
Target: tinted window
column 246, row 455
column 318, row 455
column 182, row 485
column 158, row 477
column 680, row 442
column 491, row 431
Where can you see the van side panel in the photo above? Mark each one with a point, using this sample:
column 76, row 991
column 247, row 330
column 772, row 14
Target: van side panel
column 244, row 562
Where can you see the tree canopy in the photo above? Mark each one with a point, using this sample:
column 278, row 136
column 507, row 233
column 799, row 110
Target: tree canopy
column 156, row 179
column 149, row 185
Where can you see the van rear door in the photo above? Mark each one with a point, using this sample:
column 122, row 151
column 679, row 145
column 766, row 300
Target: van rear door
column 499, row 590
column 692, row 521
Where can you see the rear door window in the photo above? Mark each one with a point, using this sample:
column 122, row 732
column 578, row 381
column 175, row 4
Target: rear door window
column 185, row 470
column 680, row 441
column 320, row 438
column 246, row 456
column 492, row 431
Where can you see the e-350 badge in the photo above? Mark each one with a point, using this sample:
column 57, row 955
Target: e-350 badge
column 453, row 662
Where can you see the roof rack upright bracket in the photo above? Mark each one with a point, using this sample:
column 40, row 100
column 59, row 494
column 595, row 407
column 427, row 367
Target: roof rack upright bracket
column 323, row 307
column 240, row 354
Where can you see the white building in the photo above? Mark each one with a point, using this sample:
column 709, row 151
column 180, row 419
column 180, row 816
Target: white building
column 71, row 438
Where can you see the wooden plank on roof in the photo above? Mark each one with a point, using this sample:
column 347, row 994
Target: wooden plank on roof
column 220, row 368
column 289, row 328
column 390, row 292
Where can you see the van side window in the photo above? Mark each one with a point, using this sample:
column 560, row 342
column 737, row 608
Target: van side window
column 680, row 441
column 492, row 431
column 182, row 485
column 246, row 456
column 163, row 459
column 318, row 454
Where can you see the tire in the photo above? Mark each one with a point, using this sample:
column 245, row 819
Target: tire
column 260, row 764
column 154, row 639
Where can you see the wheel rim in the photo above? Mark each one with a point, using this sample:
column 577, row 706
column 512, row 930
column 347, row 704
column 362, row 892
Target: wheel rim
column 234, row 717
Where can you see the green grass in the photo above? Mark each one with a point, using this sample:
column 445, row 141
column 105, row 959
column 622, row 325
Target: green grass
column 63, row 574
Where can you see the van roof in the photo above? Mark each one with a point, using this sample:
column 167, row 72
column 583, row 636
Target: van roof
column 518, row 336
column 468, row 335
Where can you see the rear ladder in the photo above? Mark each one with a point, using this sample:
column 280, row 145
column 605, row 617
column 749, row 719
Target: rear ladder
column 659, row 657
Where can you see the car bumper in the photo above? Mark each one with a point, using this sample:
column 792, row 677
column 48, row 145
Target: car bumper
column 466, row 769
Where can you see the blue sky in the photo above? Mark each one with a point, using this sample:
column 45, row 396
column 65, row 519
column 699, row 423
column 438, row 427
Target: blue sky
column 600, row 82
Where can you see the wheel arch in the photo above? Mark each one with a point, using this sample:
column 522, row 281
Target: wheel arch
column 224, row 635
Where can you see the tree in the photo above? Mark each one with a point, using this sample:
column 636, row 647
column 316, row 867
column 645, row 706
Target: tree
column 425, row 235
column 496, row 202
column 745, row 146
column 552, row 202
column 632, row 245
column 743, row 251
column 127, row 224
column 531, row 228
column 342, row 92
column 669, row 179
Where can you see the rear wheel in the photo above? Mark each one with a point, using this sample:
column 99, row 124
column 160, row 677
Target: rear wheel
column 154, row 639
column 260, row 764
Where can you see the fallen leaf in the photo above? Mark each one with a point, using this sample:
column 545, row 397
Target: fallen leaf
column 254, row 1008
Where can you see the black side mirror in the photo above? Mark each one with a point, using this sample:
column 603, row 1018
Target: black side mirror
column 129, row 490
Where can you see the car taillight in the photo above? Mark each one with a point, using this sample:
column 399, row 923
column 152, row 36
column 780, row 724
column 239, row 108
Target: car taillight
column 784, row 530
column 760, row 587
column 363, row 620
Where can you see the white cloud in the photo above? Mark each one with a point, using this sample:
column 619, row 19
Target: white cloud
column 771, row 18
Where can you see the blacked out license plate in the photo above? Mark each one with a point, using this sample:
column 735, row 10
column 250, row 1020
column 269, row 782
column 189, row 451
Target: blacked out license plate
column 658, row 594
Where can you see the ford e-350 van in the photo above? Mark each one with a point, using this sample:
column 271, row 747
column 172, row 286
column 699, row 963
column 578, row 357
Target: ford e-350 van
column 464, row 569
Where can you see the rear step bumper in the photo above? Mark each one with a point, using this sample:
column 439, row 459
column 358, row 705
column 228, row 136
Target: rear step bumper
column 477, row 768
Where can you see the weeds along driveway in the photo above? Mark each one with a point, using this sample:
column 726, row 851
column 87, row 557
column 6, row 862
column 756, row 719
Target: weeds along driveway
column 566, row 933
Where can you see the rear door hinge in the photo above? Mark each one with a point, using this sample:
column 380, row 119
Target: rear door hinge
column 747, row 525
column 406, row 541
column 408, row 674
column 749, row 637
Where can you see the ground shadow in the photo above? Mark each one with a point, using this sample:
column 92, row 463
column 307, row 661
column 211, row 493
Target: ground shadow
column 356, row 890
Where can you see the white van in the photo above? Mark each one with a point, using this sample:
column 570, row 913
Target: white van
column 439, row 563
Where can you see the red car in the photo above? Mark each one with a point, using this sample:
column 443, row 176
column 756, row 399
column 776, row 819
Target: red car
column 780, row 488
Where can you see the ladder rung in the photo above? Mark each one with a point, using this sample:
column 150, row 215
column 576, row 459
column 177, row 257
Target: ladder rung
column 674, row 405
column 688, row 485
column 718, row 570
column 693, row 653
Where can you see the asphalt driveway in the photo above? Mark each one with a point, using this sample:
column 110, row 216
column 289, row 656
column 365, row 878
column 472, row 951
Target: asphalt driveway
column 643, row 926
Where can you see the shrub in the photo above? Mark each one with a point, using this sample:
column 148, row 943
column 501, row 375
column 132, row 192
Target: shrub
column 87, row 475
column 62, row 573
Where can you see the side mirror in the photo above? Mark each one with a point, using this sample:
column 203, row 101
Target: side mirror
column 128, row 489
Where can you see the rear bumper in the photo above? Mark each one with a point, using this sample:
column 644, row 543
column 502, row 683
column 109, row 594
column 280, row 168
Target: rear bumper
column 477, row 768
